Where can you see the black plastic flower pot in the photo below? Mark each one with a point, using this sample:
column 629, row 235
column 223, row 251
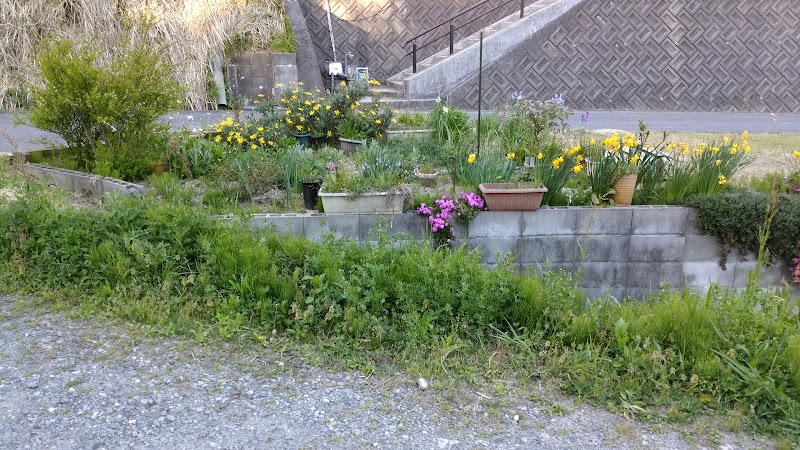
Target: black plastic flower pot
column 310, row 193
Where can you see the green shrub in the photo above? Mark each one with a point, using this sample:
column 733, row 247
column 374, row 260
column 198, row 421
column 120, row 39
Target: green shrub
column 736, row 217
column 106, row 111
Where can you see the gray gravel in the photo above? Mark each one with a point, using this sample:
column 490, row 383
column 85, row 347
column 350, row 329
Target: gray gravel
column 73, row 383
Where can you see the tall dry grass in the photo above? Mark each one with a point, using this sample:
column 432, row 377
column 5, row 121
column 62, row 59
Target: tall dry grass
column 190, row 31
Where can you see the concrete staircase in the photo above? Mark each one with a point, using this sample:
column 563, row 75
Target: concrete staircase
column 440, row 73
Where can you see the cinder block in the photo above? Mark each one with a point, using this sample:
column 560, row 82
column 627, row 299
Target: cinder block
column 775, row 275
column 700, row 248
column 555, row 249
column 634, row 293
column 537, row 268
column 653, row 274
column 603, row 221
column 279, row 223
column 692, row 222
column 411, row 225
column 656, row 248
column 284, row 59
column 344, row 225
column 659, row 220
column 604, row 294
column 701, row 274
column 609, row 248
column 494, row 249
column 496, row 224
column 605, row 275
column 549, row 221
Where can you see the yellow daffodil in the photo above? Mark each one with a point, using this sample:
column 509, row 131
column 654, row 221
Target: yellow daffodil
column 540, row 155
column 511, row 155
column 471, row 158
column 722, row 179
column 745, row 134
column 796, row 154
column 635, row 159
column 718, row 162
column 577, row 168
column 218, row 138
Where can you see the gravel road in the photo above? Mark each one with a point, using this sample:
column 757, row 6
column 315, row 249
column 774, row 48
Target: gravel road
column 75, row 383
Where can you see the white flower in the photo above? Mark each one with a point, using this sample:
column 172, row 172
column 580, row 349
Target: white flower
column 438, row 100
column 445, row 110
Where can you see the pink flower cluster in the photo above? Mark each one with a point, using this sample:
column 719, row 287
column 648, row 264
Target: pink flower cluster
column 463, row 208
column 795, row 267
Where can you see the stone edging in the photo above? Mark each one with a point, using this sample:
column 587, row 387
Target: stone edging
column 93, row 185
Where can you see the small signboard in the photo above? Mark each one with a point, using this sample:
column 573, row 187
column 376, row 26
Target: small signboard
column 362, row 74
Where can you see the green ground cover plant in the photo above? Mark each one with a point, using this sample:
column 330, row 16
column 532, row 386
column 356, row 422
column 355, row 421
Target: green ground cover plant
column 670, row 357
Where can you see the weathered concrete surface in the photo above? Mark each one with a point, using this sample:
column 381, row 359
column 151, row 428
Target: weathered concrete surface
column 620, row 252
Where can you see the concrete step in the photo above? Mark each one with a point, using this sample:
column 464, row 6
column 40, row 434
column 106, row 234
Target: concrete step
column 505, row 34
column 387, row 91
column 403, row 104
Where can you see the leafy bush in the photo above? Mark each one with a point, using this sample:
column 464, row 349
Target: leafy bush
column 736, row 217
column 104, row 110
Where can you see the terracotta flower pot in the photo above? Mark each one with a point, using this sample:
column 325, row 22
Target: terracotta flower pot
column 624, row 188
column 512, row 196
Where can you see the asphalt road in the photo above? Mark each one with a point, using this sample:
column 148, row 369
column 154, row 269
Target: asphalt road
column 25, row 138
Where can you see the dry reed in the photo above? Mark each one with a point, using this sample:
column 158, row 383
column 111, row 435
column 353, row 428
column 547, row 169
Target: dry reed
column 191, row 32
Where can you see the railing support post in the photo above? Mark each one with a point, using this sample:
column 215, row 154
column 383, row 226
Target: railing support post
column 414, row 57
column 521, row 9
column 452, row 32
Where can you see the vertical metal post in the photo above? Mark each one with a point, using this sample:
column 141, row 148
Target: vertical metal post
column 452, row 32
column 414, row 56
column 521, row 9
column 480, row 91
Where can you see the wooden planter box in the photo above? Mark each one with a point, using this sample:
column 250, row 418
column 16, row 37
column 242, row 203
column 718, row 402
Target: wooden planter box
column 512, row 196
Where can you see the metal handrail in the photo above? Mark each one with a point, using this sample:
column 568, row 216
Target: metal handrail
column 415, row 48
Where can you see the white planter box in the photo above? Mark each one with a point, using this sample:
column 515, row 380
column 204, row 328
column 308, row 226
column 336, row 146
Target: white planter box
column 375, row 202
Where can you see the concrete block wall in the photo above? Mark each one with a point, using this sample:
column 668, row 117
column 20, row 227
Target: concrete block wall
column 93, row 185
column 620, row 252
column 259, row 72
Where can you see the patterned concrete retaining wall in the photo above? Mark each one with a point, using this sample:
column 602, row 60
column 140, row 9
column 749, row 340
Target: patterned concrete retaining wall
column 620, row 251
column 714, row 55
column 375, row 30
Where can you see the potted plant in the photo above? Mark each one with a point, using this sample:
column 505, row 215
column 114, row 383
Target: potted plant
column 426, row 174
column 301, row 112
column 311, row 184
column 352, row 133
column 369, row 183
column 626, row 153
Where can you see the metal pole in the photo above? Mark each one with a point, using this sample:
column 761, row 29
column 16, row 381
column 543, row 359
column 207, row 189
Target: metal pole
column 330, row 27
column 452, row 31
column 480, row 91
column 414, row 56
column 521, row 9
